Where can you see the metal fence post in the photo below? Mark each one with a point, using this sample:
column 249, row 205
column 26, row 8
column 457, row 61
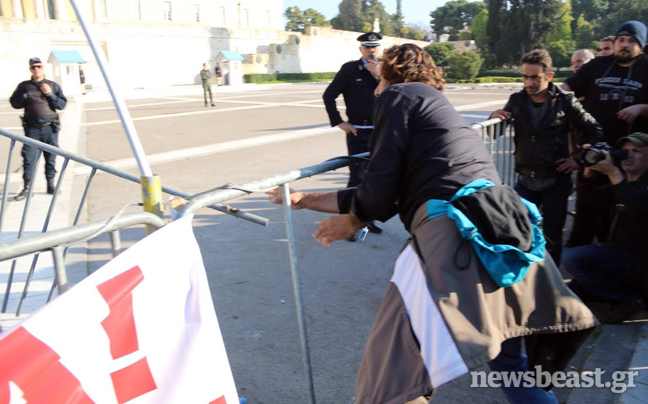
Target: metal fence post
column 299, row 303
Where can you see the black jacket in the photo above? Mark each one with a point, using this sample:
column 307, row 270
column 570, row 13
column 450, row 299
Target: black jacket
column 538, row 147
column 421, row 149
column 357, row 85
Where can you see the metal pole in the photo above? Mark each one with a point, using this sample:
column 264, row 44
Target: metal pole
column 285, row 191
column 59, row 268
column 124, row 115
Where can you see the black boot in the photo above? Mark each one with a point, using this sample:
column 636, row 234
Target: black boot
column 50, row 186
column 23, row 194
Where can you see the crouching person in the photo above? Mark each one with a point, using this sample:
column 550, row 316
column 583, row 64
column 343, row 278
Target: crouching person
column 612, row 277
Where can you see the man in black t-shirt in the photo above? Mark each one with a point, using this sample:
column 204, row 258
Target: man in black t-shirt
column 615, row 87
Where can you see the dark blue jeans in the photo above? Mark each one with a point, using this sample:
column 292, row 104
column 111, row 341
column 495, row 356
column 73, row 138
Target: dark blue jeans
column 357, row 144
column 511, row 359
column 28, row 153
column 552, row 203
column 605, row 273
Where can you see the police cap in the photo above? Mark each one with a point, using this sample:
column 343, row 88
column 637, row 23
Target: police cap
column 370, row 39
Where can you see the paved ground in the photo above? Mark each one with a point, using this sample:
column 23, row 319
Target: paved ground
column 252, row 133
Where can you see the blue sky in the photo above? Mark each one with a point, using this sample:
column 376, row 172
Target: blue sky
column 415, row 11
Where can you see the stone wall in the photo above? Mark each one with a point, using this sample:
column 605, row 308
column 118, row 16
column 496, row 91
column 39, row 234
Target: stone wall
column 158, row 54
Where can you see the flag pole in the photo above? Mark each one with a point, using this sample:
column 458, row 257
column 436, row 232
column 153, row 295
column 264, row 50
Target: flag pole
column 151, row 185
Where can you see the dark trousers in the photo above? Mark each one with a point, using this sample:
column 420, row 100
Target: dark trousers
column 357, row 144
column 592, row 221
column 604, row 273
column 511, row 359
column 552, row 203
column 44, row 134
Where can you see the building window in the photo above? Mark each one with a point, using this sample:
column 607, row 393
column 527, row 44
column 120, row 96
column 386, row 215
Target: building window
column 197, row 12
column 167, row 11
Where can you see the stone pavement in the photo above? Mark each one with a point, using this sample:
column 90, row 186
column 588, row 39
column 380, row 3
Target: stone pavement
column 611, row 347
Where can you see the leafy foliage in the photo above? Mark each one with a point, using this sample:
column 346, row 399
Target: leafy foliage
column 464, row 65
column 440, row 52
column 297, row 20
column 454, row 16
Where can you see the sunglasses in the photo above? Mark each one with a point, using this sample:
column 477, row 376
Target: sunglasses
column 33, row 67
column 602, row 49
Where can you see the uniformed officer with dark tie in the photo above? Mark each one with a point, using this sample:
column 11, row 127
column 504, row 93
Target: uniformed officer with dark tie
column 356, row 81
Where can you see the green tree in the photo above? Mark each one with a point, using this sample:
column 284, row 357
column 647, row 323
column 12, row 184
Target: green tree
column 454, row 15
column 584, row 34
column 592, row 10
column 372, row 9
column 561, row 52
column 464, row 65
column 397, row 20
column 621, row 11
column 516, row 26
column 478, row 29
column 563, row 28
column 350, row 17
column 440, row 52
column 297, row 20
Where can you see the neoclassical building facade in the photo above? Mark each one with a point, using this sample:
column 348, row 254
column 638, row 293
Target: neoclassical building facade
column 157, row 43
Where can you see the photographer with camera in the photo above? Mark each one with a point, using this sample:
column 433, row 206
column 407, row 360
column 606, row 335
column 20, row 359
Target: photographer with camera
column 40, row 98
column 615, row 272
column 543, row 116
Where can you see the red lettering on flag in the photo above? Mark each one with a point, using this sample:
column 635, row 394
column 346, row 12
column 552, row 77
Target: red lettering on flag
column 134, row 380
column 35, row 369
column 120, row 323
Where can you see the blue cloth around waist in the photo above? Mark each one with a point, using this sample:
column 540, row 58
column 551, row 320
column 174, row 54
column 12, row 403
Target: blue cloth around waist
column 506, row 264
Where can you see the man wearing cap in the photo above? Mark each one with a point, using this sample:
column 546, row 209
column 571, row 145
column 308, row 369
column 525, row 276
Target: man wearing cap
column 615, row 91
column 616, row 271
column 356, row 81
column 40, row 98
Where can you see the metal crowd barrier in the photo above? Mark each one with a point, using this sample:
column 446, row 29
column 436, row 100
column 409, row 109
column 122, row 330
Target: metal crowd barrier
column 496, row 134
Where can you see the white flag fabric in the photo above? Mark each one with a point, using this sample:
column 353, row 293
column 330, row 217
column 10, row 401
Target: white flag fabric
column 142, row 329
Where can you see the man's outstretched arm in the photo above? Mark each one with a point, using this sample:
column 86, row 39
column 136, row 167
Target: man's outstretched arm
column 319, row 201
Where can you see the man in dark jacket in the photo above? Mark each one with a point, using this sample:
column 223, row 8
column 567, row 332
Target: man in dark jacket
column 543, row 117
column 616, row 271
column 356, row 81
column 40, row 98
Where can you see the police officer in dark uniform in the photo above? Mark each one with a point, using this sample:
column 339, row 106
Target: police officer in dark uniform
column 356, row 81
column 40, row 98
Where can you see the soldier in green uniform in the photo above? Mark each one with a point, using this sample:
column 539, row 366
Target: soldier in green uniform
column 206, row 75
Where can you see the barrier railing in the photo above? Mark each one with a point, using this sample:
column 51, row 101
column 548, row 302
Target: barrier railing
column 497, row 136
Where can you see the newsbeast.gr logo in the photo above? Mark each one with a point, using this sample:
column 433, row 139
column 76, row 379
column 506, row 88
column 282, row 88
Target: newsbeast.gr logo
column 621, row 380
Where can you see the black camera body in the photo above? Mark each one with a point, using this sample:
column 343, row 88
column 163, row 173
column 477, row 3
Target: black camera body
column 591, row 156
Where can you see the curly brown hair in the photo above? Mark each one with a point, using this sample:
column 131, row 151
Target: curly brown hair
column 408, row 63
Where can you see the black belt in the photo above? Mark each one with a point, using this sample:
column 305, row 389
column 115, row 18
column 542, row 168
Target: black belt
column 538, row 172
column 38, row 125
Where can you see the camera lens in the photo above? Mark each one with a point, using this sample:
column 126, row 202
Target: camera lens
column 591, row 156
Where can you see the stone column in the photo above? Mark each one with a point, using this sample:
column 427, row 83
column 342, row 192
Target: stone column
column 40, row 9
column 60, row 12
column 17, row 9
